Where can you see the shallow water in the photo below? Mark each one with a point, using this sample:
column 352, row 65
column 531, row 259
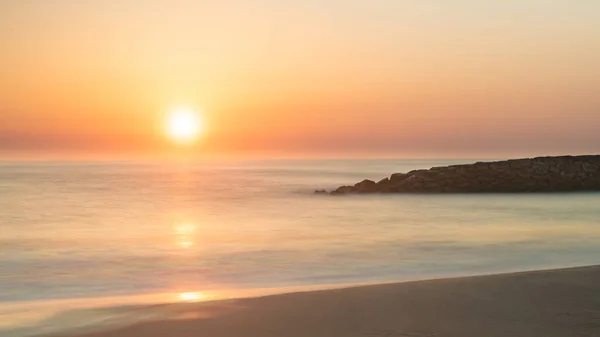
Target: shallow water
column 183, row 230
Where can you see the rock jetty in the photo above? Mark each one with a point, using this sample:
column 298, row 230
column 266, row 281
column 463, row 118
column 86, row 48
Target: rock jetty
column 541, row 174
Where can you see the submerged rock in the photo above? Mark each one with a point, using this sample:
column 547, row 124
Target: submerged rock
column 541, row 174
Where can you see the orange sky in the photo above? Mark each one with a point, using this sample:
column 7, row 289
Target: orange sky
column 301, row 78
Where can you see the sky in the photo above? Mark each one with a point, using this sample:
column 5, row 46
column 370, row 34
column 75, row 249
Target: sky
column 316, row 78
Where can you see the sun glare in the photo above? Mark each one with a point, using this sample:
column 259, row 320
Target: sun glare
column 183, row 125
column 190, row 297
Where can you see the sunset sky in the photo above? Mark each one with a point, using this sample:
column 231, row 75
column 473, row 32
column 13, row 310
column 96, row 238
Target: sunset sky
column 343, row 78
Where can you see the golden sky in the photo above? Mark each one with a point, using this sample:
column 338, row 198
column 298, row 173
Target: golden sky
column 301, row 78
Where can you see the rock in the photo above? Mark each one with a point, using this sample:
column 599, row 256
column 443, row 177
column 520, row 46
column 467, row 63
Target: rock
column 397, row 177
column 365, row 182
column 481, row 165
column 416, row 172
column 388, row 189
column 384, row 181
column 321, row 192
column 589, row 167
column 433, row 187
column 541, row 174
column 366, row 186
column 539, row 168
column 568, row 175
column 342, row 190
column 553, row 169
column 519, row 164
column 413, row 179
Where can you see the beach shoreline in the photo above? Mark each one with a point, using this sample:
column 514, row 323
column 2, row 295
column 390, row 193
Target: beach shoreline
column 66, row 266
column 554, row 302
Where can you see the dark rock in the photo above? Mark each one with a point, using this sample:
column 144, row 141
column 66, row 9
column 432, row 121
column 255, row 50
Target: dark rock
column 519, row 163
column 589, row 167
column 553, row 169
column 388, row 189
column 397, row 177
column 481, row 165
column 416, row 172
column 321, row 192
column 539, row 168
column 384, row 181
column 568, row 175
column 366, row 186
column 541, row 174
column 433, row 186
column 343, row 190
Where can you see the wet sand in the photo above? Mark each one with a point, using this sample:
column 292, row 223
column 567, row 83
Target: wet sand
column 552, row 303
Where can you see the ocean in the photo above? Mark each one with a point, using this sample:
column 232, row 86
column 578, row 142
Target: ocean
column 81, row 243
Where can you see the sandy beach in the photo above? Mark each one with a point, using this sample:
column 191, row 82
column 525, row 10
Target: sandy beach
column 563, row 302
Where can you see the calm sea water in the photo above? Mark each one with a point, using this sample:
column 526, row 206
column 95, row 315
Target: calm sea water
column 121, row 230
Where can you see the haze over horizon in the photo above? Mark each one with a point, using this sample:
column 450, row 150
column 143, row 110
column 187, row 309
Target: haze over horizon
column 300, row 78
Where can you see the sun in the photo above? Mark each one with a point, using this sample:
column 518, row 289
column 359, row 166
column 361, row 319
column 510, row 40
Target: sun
column 183, row 125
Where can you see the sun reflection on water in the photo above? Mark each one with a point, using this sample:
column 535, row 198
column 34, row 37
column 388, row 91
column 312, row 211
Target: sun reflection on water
column 185, row 229
column 184, row 234
column 191, row 296
column 185, row 244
